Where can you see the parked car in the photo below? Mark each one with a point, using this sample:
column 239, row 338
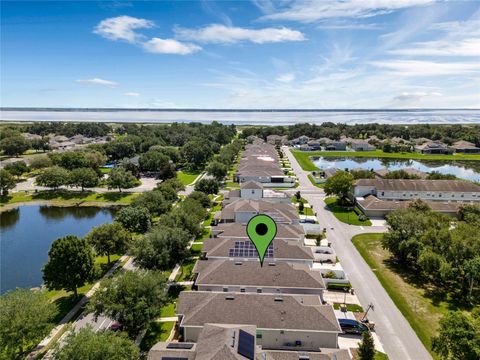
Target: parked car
column 350, row 326
column 116, row 326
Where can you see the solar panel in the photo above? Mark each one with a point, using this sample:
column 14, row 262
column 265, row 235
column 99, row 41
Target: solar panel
column 180, row 346
column 173, row 358
column 247, row 249
column 246, row 345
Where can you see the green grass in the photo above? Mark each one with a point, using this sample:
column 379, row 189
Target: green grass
column 306, row 211
column 65, row 197
column 380, row 356
column 186, row 270
column 319, row 185
column 168, row 310
column 303, row 157
column 417, row 303
column 343, row 214
column 187, row 177
column 350, row 307
column 196, row 249
column 156, row 332
column 65, row 301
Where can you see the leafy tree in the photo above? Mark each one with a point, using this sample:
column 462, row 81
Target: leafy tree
column 161, row 248
column 472, row 272
column 84, row 178
column 362, row 174
column 171, row 151
column 419, row 205
column 159, row 163
column 7, row 182
column 339, row 184
column 400, row 174
column 217, row 170
column 69, row 159
column 470, row 213
column 120, row 179
column 109, row 239
column 70, row 265
column 133, row 298
column 117, row 150
column 298, row 195
column 458, row 337
column 366, row 349
column 17, row 168
column 196, row 153
column 301, row 206
column 88, row 344
column 187, row 216
column 208, row 186
column 135, row 219
column 435, row 175
column 53, row 177
column 154, row 201
column 201, row 197
column 40, row 162
column 25, row 318
column 40, row 144
column 14, row 146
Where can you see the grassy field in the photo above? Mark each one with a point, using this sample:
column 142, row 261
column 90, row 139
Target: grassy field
column 418, row 304
column 65, row 300
column 70, row 198
column 156, row 332
column 343, row 214
column 187, row 177
column 303, row 157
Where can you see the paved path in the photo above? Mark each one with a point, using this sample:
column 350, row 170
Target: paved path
column 397, row 337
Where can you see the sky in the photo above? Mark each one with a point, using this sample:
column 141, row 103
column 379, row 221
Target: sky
column 348, row 54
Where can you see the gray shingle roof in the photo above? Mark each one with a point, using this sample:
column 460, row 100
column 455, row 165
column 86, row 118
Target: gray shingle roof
column 419, row 185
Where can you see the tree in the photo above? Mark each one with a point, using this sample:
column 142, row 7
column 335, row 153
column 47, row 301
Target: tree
column 435, row 175
column 419, row 205
column 17, row 168
column 135, row 219
column 88, row 344
column 208, row 186
column 217, row 170
column 121, row 179
column 154, row 201
column 366, row 349
column 472, row 272
column 7, row 181
column 25, row 318
column 133, row 298
column 301, row 206
column 196, row 153
column 70, row 265
column 457, row 338
column 109, row 239
column 200, row 197
column 161, row 248
column 53, row 177
column 470, row 213
column 40, row 162
column 83, row 177
column 339, row 184
column 157, row 162
column 14, row 145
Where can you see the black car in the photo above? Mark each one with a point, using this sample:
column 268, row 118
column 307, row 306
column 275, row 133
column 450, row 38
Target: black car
column 349, row 326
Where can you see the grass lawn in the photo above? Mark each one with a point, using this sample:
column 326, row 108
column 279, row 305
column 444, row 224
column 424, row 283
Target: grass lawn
column 65, row 300
column 350, row 307
column 168, row 310
column 185, row 273
column 306, row 211
column 196, row 249
column 187, row 177
column 380, row 356
column 69, row 198
column 156, row 332
column 303, row 157
column 420, row 305
column 343, row 214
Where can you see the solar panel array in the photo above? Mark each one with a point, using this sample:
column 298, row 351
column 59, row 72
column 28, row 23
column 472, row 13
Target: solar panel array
column 179, row 345
column 246, row 249
column 246, row 345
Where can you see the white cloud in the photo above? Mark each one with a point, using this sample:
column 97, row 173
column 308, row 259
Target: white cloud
column 466, row 47
column 97, row 81
column 132, row 94
column 314, row 10
column 122, row 28
column 413, row 99
column 286, row 78
column 427, row 68
column 221, row 34
column 169, row 46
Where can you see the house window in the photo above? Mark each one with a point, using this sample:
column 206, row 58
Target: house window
column 225, row 289
column 383, row 193
column 253, row 191
column 282, row 332
column 259, row 290
column 259, row 334
column 242, row 289
column 439, row 195
column 462, row 195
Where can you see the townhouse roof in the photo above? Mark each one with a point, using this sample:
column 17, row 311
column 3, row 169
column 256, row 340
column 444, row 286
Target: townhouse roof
column 289, row 312
column 462, row 144
column 410, row 171
column 238, row 230
column 250, row 273
column 419, row 185
column 371, row 202
column 282, row 249
column 251, row 185
column 279, row 211
column 324, row 354
column 432, row 145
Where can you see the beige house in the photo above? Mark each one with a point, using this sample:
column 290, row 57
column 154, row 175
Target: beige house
column 242, row 210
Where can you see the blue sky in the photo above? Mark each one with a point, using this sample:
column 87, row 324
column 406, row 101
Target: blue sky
column 241, row 54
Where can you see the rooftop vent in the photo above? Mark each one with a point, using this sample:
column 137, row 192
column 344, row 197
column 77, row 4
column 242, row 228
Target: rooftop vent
column 278, row 299
column 229, row 297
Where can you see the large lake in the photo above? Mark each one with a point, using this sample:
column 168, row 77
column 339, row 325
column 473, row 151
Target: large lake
column 245, row 117
column 468, row 170
column 27, row 232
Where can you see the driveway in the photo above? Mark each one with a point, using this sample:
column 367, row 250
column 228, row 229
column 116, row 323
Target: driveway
column 395, row 333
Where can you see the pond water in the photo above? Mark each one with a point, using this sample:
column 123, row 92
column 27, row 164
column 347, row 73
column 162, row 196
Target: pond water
column 27, row 232
column 468, row 170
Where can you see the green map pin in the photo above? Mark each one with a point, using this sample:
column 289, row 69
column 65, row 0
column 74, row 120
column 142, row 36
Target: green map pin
column 261, row 229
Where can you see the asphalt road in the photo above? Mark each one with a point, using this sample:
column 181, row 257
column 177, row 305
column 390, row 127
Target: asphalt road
column 396, row 335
